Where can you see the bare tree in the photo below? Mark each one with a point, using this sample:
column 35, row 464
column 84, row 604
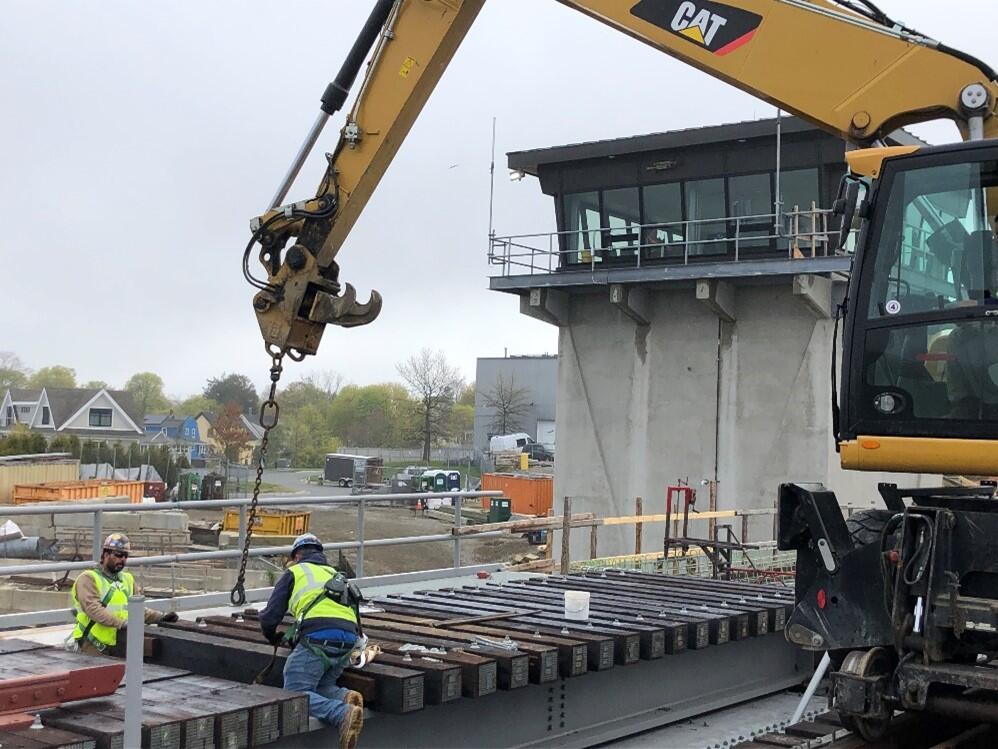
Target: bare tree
column 509, row 405
column 326, row 380
column 434, row 384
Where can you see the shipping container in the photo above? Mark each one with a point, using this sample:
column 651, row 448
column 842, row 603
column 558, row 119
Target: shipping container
column 73, row 491
column 530, row 494
column 271, row 522
column 24, row 470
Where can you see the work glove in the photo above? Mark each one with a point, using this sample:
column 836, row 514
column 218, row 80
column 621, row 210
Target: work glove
column 170, row 617
column 275, row 638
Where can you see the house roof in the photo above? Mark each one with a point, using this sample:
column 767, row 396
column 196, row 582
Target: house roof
column 21, row 395
column 254, row 429
column 65, row 402
column 528, row 161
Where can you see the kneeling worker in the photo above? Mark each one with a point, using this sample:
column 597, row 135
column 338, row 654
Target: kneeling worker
column 326, row 630
column 99, row 600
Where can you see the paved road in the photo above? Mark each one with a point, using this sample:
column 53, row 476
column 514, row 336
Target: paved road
column 297, row 482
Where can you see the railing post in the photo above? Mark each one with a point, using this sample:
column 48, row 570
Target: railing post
column 738, row 229
column 638, row 527
column 359, row 567
column 133, row 671
column 566, row 527
column 98, row 542
column 456, row 506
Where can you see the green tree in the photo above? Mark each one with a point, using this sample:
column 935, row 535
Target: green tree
column 66, row 443
column 146, row 389
column 373, row 415
column 195, row 404
column 467, row 395
column 233, row 388
column 94, row 385
column 434, row 384
column 56, row 376
column 22, row 441
column 13, row 374
column 462, row 422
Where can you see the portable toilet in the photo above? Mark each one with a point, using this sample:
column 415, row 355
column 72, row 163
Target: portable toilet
column 500, row 509
column 213, row 486
column 190, row 487
column 453, row 481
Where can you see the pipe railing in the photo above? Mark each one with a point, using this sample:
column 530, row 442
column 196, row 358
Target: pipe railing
column 798, row 233
column 359, row 544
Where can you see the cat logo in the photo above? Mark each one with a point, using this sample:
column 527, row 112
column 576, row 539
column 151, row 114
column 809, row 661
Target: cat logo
column 719, row 28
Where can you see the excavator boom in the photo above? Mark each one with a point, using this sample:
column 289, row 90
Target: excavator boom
column 852, row 74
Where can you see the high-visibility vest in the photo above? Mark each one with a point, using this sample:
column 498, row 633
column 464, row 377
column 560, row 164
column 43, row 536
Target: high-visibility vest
column 309, row 581
column 114, row 596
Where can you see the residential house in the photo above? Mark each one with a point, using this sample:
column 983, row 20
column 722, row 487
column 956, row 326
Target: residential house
column 254, row 434
column 180, row 434
column 90, row 414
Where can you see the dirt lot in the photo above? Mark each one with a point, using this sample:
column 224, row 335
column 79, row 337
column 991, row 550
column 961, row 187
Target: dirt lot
column 340, row 524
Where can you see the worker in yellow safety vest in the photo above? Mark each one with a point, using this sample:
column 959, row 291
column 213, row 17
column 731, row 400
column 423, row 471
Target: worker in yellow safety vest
column 99, row 600
column 325, row 608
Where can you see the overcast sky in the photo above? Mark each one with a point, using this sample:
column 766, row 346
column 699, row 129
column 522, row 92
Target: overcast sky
column 138, row 139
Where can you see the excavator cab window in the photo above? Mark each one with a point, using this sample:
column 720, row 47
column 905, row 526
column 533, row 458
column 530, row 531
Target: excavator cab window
column 925, row 341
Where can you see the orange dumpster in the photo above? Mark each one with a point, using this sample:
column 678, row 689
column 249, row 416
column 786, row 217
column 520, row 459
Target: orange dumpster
column 530, row 494
column 74, row 491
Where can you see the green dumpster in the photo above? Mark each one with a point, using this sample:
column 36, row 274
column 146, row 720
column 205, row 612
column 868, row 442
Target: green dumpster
column 500, row 509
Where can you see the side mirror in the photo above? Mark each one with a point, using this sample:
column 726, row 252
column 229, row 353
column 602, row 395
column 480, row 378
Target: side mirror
column 845, row 206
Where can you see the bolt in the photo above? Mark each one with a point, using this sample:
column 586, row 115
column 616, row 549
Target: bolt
column 295, row 258
column 861, row 121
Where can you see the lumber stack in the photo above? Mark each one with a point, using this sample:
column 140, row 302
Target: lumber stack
column 472, row 641
column 179, row 709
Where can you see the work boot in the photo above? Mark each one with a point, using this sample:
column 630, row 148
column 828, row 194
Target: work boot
column 355, row 698
column 353, row 721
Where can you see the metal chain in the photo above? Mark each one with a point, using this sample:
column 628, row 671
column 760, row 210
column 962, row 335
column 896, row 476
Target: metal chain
column 269, row 413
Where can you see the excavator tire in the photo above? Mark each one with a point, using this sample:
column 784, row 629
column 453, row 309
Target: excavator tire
column 866, row 526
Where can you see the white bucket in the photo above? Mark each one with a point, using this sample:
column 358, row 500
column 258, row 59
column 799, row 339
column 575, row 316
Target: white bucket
column 577, row 605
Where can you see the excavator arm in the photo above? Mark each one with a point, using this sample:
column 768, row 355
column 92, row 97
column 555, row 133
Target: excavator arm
column 841, row 65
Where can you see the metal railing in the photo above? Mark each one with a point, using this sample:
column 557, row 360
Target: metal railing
column 361, row 500
column 793, row 234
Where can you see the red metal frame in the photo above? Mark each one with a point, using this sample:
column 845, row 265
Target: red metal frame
column 32, row 693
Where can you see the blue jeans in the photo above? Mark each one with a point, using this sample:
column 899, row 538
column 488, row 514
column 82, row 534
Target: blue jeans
column 307, row 672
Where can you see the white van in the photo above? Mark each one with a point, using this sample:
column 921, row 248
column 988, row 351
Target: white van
column 504, row 442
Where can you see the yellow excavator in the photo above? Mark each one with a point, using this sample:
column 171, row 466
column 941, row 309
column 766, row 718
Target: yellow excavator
column 903, row 599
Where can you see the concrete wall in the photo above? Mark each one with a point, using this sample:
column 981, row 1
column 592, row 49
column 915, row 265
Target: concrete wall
column 695, row 398
column 536, row 374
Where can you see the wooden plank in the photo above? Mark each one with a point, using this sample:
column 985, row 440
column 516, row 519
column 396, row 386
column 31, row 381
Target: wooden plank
column 778, row 604
column 438, row 686
column 599, row 649
column 638, row 526
column 480, row 670
column 441, row 681
column 17, row 645
column 566, row 532
column 578, row 520
column 543, row 656
column 746, row 621
column 45, row 737
column 722, row 624
column 398, row 690
column 513, row 665
column 82, row 717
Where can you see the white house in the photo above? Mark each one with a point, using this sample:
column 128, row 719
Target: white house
column 90, row 414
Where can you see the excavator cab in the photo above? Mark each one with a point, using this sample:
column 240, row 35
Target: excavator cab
column 905, row 599
column 920, row 371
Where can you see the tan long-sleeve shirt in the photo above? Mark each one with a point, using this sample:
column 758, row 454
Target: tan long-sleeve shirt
column 89, row 598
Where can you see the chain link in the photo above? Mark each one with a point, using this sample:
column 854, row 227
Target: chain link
column 269, row 414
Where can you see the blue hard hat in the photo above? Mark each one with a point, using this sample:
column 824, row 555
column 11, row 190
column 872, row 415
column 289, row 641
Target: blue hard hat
column 306, row 539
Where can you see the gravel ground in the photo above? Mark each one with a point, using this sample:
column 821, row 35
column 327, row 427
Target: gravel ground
column 340, row 524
